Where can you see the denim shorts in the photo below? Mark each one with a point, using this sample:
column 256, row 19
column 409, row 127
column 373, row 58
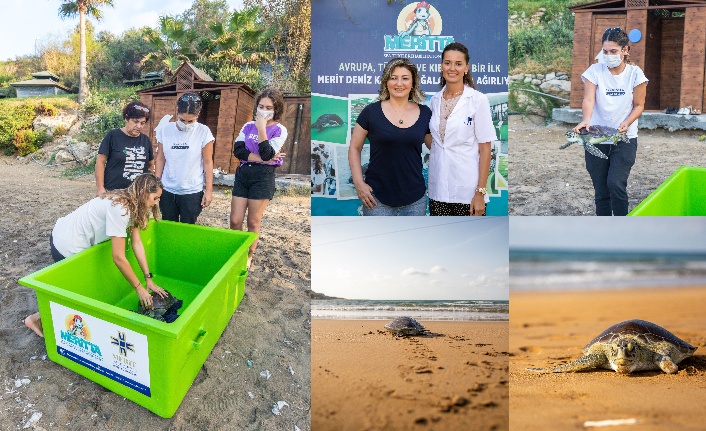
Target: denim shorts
column 418, row 208
column 254, row 181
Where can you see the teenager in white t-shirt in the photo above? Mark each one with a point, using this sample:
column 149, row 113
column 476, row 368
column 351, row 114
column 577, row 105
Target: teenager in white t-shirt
column 185, row 162
column 461, row 131
column 614, row 96
column 110, row 217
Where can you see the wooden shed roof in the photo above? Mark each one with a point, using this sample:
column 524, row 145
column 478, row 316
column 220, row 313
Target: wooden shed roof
column 170, row 87
column 635, row 4
column 199, row 74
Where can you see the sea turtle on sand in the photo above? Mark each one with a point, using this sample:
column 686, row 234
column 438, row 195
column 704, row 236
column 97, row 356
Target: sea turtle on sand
column 594, row 135
column 404, row 326
column 626, row 347
column 163, row 309
column 327, row 120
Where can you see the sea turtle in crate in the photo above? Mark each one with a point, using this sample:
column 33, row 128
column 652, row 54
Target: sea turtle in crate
column 164, row 309
column 326, row 121
column 588, row 138
column 405, row 326
column 626, row 347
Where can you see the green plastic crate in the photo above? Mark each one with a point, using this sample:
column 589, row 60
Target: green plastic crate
column 149, row 362
column 682, row 194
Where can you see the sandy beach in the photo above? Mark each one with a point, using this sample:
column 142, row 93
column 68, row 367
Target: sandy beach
column 548, row 328
column 270, row 328
column 545, row 180
column 365, row 379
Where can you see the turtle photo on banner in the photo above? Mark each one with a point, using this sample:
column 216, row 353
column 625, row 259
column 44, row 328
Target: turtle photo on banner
column 352, row 42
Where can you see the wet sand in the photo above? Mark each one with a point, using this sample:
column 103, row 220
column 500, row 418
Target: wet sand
column 552, row 328
column 365, row 379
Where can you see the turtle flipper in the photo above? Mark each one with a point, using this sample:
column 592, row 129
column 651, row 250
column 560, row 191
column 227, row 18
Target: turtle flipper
column 594, row 150
column 566, row 145
column 667, row 365
column 595, row 360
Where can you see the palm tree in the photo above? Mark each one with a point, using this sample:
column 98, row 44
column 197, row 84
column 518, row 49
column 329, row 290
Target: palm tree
column 242, row 40
column 171, row 45
column 69, row 9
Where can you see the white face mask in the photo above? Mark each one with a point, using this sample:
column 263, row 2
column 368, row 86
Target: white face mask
column 612, row 61
column 266, row 114
column 185, row 127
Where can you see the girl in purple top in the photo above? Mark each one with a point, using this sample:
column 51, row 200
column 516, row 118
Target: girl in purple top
column 258, row 147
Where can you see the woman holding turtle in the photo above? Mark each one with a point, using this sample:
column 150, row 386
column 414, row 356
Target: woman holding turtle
column 396, row 127
column 461, row 131
column 614, row 96
column 110, row 217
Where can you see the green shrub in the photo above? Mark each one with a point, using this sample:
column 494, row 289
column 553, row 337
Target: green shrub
column 109, row 98
column 28, row 141
column 46, row 108
column 13, row 118
column 95, row 130
column 60, row 130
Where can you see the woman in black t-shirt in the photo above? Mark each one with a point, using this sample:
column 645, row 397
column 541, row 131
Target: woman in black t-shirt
column 396, row 127
column 126, row 152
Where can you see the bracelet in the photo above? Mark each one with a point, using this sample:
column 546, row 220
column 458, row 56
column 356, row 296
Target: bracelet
column 138, row 285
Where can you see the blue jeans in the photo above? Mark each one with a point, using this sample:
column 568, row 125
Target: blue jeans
column 418, row 208
column 610, row 177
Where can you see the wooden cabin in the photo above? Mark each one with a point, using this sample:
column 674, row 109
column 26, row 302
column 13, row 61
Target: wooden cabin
column 671, row 50
column 227, row 106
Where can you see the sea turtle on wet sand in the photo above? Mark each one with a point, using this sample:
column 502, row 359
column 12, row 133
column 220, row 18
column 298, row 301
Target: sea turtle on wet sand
column 327, row 120
column 405, row 326
column 594, row 135
column 626, row 347
column 164, row 309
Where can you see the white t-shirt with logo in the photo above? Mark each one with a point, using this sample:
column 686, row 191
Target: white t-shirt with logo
column 93, row 222
column 183, row 169
column 614, row 94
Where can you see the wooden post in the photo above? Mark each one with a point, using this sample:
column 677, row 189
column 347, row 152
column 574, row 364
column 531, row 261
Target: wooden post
column 226, row 130
column 692, row 71
column 637, row 19
column 582, row 57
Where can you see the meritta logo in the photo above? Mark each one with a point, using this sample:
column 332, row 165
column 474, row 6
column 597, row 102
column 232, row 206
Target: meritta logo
column 615, row 92
column 418, row 30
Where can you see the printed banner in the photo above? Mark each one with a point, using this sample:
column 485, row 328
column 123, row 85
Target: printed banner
column 108, row 349
column 352, row 42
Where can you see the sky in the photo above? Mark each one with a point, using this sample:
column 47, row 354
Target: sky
column 416, row 258
column 20, row 35
column 671, row 234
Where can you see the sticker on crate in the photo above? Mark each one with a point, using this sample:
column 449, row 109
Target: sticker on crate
column 108, row 349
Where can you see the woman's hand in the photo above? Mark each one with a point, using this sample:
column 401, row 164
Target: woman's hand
column 260, row 122
column 145, row 298
column 582, row 125
column 365, row 194
column 478, row 205
column 151, row 286
column 623, row 127
column 276, row 158
column 206, row 199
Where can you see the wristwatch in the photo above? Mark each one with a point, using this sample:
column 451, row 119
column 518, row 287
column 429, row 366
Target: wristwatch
column 148, row 275
column 481, row 190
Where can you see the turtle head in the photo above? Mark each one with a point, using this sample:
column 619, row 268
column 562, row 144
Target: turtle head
column 626, row 355
column 572, row 136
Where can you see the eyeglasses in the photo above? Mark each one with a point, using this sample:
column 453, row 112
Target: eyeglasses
column 612, row 30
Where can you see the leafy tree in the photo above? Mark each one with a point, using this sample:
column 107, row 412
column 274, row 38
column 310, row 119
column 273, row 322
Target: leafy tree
column 242, row 40
column 69, row 9
column 198, row 18
column 170, row 45
column 120, row 57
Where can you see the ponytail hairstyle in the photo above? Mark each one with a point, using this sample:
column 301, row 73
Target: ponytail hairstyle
column 467, row 77
column 618, row 36
column 133, row 199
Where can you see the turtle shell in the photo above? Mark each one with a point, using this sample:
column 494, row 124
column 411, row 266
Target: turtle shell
column 164, row 309
column 599, row 130
column 405, row 325
column 642, row 329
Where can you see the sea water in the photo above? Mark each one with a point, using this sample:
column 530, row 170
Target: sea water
column 582, row 270
column 364, row 309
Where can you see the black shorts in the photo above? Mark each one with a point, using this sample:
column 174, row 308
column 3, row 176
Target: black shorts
column 254, row 181
column 438, row 208
column 181, row 208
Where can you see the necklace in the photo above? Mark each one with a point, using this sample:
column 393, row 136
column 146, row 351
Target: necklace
column 448, row 105
column 397, row 112
column 449, row 96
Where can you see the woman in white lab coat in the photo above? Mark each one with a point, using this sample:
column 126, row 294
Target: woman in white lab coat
column 461, row 129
